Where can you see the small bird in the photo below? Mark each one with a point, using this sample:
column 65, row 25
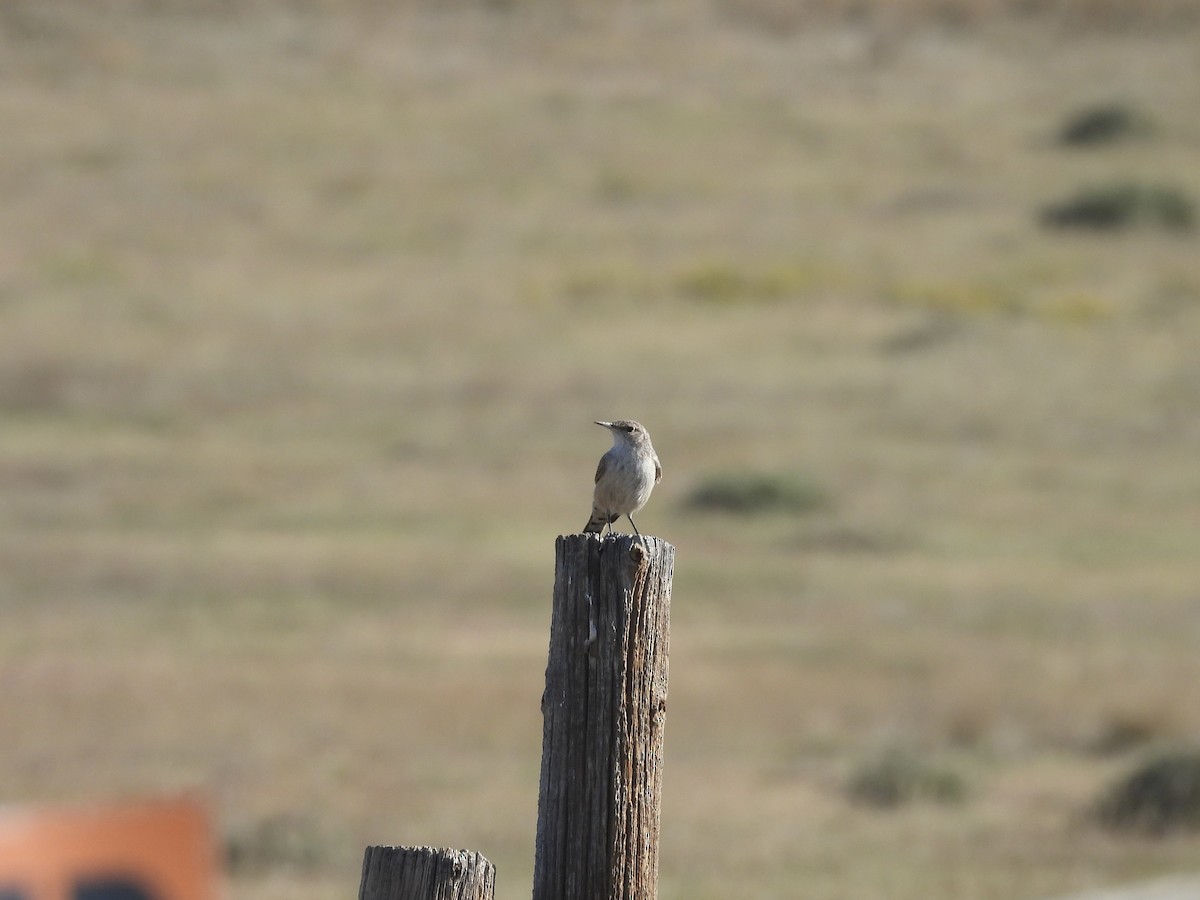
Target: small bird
column 625, row 477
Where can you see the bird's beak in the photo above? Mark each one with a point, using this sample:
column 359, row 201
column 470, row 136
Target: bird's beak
column 605, row 424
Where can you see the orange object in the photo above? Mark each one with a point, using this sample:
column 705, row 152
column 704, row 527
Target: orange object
column 151, row 850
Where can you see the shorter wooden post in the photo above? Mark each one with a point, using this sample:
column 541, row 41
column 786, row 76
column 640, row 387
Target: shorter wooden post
column 423, row 873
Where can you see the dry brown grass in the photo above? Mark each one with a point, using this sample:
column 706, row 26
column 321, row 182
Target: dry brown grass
column 302, row 305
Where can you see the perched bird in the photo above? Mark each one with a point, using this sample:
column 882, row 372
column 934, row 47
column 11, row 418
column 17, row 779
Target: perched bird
column 625, row 477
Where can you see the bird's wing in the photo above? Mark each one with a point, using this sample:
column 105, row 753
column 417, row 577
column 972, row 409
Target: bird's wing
column 600, row 469
column 657, row 469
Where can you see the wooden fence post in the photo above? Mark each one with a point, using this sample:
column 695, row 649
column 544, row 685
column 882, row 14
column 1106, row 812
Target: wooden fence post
column 423, row 873
column 603, row 714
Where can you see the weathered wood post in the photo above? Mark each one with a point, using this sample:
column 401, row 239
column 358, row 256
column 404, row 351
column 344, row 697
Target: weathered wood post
column 423, row 873
column 603, row 714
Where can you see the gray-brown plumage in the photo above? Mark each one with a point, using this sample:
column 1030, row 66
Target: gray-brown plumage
column 625, row 477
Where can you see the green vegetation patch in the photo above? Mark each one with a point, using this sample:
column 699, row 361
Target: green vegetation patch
column 897, row 776
column 731, row 282
column 964, row 298
column 719, row 283
column 1124, row 204
column 750, row 493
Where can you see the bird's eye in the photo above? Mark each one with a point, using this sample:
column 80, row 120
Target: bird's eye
column 628, row 428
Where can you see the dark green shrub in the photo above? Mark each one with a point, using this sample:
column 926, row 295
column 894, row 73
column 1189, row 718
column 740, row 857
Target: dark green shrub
column 748, row 493
column 1102, row 124
column 1123, row 205
column 1159, row 796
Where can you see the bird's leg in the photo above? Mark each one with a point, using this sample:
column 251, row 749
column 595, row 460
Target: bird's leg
column 608, row 524
column 635, row 531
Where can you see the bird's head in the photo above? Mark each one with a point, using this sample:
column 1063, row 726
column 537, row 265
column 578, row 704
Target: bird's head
column 626, row 430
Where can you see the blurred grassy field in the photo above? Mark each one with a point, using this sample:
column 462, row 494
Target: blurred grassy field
column 306, row 310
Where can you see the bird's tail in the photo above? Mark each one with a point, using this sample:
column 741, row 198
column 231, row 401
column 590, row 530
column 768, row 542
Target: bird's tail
column 597, row 522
